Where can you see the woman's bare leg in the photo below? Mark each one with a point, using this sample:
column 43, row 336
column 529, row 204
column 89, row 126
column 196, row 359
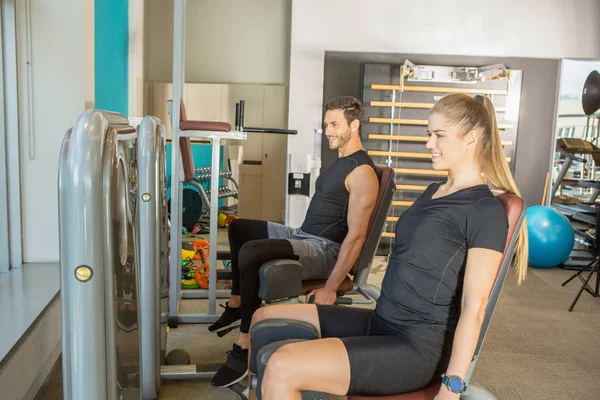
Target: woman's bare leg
column 320, row 365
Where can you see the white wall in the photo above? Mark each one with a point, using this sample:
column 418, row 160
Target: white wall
column 548, row 29
column 227, row 41
column 57, row 86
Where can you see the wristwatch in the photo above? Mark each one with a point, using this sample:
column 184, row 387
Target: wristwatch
column 454, row 383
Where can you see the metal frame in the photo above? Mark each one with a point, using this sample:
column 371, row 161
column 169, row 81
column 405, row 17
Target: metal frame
column 438, row 73
column 152, row 231
column 4, row 237
column 175, row 292
column 96, row 187
column 113, row 226
column 564, row 169
column 176, row 205
column 154, row 268
column 11, row 124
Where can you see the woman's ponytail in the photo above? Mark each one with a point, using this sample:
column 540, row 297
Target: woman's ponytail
column 499, row 177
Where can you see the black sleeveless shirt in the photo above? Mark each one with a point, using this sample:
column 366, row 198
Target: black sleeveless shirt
column 327, row 214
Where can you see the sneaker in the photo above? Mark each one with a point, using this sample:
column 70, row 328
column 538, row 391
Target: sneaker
column 234, row 370
column 231, row 318
column 127, row 319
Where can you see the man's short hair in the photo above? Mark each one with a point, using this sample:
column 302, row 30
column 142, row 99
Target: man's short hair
column 353, row 108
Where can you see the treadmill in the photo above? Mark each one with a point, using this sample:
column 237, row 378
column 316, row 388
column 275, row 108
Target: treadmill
column 581, row 214
column 570, row 148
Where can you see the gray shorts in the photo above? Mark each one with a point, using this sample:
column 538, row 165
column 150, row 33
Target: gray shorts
column 316, row 254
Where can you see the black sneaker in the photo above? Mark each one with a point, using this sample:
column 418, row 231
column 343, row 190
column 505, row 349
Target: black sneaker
column 231, row 318
column 234, row 370
column 127, row 319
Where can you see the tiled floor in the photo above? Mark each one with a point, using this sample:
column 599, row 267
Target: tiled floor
column 535, row 348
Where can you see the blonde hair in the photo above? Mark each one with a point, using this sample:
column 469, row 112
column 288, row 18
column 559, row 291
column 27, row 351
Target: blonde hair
column 479, row 114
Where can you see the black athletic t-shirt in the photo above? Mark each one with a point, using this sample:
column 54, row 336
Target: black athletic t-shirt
column 327, row 214
column 424, row 278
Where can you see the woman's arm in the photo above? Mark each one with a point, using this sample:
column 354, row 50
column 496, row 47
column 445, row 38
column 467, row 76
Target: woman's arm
column 480, row 274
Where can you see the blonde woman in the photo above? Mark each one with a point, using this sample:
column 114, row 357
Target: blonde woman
column 447, row 249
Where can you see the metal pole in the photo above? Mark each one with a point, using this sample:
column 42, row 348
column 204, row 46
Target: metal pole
column 176, row 198
column 214, row 211
column 150, row 219
column 389, row 160
column 561, row 175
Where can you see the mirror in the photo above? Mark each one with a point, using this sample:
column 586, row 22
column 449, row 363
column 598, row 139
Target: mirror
column 576, row 160
column 575, row 173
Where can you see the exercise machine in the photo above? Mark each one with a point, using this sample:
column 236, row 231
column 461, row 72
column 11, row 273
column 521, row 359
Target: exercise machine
column 569, row 148
column 113, row 258
column 182, row 130
column 100, row 204
column 182, row 157
column 593, row 265
column 114, row 261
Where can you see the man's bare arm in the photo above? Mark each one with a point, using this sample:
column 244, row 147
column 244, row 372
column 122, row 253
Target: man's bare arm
column 363, row 185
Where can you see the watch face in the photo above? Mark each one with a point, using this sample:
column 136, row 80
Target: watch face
column 455, row 385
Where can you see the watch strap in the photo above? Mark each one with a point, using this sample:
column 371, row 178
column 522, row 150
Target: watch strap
column 446, row 381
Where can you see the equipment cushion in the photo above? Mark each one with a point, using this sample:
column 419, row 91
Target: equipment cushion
column 424, row 394
column 204, row 126
column 280, row 279
column 312, row 284
column 275, row 330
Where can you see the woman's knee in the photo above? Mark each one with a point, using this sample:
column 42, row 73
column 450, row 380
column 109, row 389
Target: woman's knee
column 268, row 312
column 282, row 366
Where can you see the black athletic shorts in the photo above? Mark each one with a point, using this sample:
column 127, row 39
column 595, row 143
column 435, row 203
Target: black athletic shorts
column 385, row 361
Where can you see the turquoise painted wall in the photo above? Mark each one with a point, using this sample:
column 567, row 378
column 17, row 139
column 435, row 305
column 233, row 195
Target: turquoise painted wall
column 111, row 52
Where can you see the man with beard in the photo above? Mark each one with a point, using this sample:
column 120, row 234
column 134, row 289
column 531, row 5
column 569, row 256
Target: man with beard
column 326, row 245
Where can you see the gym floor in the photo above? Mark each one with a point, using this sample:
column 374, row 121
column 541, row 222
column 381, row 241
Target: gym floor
column 535, row 348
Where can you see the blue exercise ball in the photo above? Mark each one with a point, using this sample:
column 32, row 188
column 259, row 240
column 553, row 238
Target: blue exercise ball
column 551, row 237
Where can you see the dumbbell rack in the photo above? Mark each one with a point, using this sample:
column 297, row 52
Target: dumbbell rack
column 204, row 174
